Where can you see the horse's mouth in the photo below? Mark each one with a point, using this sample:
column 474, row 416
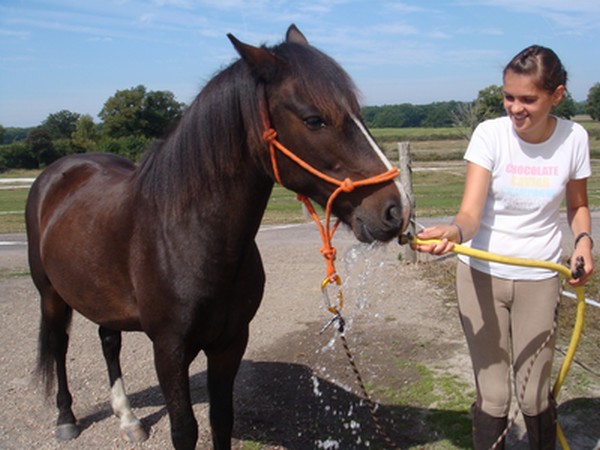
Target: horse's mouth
column 368, row 234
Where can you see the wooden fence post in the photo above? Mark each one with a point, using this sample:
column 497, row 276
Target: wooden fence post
column 405, row 168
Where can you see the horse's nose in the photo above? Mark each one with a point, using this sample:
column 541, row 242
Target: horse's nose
column 393, row 217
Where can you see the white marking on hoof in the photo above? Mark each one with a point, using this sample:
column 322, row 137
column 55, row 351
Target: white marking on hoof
column 134, row 434
column 131, row 427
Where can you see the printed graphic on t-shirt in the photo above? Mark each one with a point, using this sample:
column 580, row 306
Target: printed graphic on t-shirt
column 530, row 187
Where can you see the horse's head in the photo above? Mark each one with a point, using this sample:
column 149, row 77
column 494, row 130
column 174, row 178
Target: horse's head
column 310, row 101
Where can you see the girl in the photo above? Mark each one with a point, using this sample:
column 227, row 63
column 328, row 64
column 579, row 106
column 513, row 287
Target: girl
column 519, row 169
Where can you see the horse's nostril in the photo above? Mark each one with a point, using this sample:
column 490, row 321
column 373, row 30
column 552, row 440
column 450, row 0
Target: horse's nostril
column 393, row 214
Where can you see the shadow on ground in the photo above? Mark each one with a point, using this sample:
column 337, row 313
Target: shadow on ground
column 314, row 404
column 287, row 405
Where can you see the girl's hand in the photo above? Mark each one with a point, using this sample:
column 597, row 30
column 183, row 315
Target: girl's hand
column 446, row 234
column 584, row 272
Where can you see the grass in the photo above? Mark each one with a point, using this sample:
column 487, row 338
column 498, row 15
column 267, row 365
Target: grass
column 12, row 203
column 445, row 397
column 8, row 274
column 437, row 192
column 417, row 134
column 284, row 208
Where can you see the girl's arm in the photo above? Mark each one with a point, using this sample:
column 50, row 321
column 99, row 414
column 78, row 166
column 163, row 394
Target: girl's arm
column 466, row 222
column 578, row 215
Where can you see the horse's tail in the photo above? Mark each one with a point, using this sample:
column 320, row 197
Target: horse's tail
column 48, row 350
column 44, row 372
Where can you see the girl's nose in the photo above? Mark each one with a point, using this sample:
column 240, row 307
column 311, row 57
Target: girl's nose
column 516, row 107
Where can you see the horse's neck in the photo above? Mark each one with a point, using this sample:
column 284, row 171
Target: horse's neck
column 229, row 204
column 243, row 202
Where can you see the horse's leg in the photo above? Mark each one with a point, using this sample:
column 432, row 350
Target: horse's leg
column 52, row 351
column 131, row 427
column 172, row 367
column 221, row 371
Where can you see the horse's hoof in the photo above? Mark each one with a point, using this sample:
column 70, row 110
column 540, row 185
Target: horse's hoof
column 66, row 431
column 134, row 434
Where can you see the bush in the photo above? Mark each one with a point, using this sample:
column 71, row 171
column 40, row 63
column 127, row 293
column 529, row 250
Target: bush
column 17, row 156
column 130, row 147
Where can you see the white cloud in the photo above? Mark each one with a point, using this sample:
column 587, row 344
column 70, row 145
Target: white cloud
column 575, row 16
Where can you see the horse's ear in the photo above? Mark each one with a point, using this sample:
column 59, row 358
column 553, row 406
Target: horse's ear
column 295, row 35
column 261, row 61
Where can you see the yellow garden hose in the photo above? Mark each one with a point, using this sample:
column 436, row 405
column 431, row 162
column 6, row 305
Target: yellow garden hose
column 525, row 262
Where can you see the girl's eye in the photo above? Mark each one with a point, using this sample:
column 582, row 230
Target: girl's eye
column 314, row 123
column 509, row 98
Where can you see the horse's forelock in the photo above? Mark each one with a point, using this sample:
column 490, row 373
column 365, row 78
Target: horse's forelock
column 322, row 80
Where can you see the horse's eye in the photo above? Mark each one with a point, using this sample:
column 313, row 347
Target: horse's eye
column 314, row 123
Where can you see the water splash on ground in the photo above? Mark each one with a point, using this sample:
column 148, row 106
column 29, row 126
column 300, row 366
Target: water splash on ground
column 362, row 265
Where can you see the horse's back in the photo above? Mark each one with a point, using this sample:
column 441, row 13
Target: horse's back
column 69, row 185
column 79, row 220
column 67, row 174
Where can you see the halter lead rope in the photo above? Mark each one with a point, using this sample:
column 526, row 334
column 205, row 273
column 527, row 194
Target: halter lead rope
column 326, row 231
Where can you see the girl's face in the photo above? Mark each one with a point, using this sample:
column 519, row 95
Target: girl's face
column 529, row 107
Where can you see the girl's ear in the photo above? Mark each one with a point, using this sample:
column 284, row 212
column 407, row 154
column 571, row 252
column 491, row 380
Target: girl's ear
column 558, row 94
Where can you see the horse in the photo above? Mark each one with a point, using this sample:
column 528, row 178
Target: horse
column 167, row 246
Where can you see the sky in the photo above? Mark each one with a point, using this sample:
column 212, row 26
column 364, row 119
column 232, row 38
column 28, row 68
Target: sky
column 74, row 54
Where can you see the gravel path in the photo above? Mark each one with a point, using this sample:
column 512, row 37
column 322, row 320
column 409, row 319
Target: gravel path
column 295, row 389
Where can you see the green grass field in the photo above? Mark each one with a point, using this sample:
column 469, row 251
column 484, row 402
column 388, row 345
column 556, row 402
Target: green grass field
column 437, row 190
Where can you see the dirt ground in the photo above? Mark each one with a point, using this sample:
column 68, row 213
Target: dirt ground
column 295, row 389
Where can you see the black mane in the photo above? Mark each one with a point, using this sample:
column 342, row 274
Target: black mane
column 221, row 130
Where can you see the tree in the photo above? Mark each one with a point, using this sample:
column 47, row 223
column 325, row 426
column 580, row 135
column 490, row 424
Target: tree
column 86, row 136
column 39, row 143
column 160, row 112
column 61, row 125
column 122, row 113
column 567, row 108
column 593, row 102
column 17, row 155
column 439, row 114
column 464, row 117
column 2, row 134
column 489, row 103
column 136, row 112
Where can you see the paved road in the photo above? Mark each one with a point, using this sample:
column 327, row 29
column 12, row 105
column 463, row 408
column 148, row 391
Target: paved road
column 9, row 243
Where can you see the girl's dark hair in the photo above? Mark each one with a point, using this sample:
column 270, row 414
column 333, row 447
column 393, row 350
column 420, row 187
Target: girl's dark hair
column 543, row 64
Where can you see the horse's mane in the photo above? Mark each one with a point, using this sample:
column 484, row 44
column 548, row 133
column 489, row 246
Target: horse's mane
column 221, row 129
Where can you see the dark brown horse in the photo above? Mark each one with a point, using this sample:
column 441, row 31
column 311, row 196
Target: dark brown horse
column 168, row 247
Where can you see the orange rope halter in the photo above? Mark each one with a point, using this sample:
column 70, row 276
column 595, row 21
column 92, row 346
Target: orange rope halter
column 326, row 231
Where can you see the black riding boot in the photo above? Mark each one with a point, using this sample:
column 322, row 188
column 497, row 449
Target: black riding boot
column 487, row 429
column 541, row 429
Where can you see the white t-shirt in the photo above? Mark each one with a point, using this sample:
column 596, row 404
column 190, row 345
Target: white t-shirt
column 528, row 181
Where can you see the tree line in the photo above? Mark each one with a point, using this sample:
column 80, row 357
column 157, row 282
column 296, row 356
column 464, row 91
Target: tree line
column 132, row 118
column 487, row 105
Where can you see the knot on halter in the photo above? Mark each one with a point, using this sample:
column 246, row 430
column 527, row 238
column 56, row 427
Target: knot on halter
column 269, row 135
column 347, row 185
column 329, row 253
